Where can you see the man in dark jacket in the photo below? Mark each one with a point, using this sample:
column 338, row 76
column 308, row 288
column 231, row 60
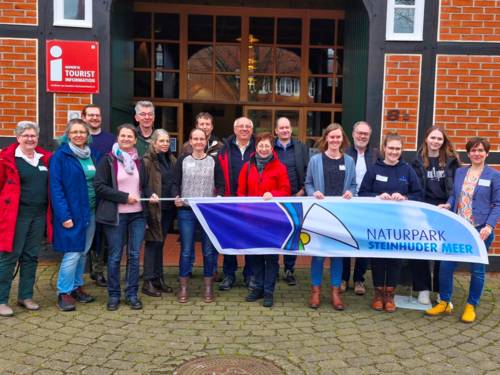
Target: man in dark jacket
column 364, row 157
column 295, row 155
column 235, row 152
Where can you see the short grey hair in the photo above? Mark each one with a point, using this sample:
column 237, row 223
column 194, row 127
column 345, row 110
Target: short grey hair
column 236, row 122
column 157, row 134
column 361, row 123
column 22, row 126
column 143, row 104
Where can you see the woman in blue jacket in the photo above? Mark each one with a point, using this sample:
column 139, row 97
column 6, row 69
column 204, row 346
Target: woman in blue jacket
column 72, row 171
column 476, row 198
column 330, row 173
column 393, row 179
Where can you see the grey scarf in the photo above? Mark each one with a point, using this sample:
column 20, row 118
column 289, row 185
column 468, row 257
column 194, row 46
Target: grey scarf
column 81, row 153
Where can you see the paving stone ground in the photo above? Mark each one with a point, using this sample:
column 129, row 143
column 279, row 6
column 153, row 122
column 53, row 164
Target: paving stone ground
column 165, row 334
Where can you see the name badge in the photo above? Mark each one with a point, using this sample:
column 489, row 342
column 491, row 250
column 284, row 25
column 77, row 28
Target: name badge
column 91, row 168
column 381, row 178
column 483, row 182
column 42, row 168
column 190, row 165
column 342, row 167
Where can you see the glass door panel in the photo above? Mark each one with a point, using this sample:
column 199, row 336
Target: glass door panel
column 317, row 120
column 264, row 119
column 168, row 117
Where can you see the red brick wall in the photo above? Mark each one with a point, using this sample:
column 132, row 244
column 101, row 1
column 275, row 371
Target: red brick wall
column 467, row 98
column 401, row 93
column 18, row 12
column 64, row 103
column 467, row 102
column 469, row 20
column 18, row 83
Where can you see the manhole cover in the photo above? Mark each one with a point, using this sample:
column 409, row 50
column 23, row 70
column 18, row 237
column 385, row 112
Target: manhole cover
column 228, row 365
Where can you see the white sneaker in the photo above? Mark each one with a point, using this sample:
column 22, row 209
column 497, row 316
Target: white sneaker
column 424, row 297
column 6, row 310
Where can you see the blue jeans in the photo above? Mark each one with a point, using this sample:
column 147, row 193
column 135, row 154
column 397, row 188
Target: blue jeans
column 289, row 262
column 477, row 272
column 131, row 227
column 73, row 263
column 265, row 269
column 317, row 271
column 187, row 228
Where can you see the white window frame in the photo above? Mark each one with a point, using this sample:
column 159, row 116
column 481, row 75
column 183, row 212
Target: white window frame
column 418, row 26
column 59, row 19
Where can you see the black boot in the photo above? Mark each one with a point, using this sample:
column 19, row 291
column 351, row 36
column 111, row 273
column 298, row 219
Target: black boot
column 160, row 284
column 149, row 289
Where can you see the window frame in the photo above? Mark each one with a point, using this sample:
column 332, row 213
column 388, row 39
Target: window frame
column 418, row 25
column 59, row 19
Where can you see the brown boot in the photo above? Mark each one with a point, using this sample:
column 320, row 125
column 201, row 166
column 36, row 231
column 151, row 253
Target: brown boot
column 208, row 292
column 336, row 299
column 389, row 304
column 314, row 300
column 182, row 294
column 378, row 299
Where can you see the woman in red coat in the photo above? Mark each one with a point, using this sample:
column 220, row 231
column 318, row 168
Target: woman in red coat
column 24, row 213
column 264, row 176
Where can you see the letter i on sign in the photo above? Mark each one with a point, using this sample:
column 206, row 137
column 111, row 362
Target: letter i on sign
column 56, row 64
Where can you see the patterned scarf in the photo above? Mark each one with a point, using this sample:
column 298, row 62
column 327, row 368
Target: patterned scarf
column 127, row 158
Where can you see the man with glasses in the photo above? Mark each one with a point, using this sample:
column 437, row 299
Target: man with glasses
column 145, row 116
column 364, row 157
column 236, row 152
column 295, row 155
column 102, row 142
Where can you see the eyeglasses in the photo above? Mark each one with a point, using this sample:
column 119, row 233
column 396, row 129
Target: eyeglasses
column 144, row 114
column 74, row 132
column 29, row 136
column 244, row 126
column 363, row 134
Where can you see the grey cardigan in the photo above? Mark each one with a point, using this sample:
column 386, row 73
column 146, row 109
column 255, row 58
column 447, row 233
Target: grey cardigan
column 315, row 180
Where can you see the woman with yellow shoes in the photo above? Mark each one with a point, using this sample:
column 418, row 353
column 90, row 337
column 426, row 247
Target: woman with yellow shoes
column 476, row 198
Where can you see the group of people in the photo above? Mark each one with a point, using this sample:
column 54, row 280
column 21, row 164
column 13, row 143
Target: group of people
column 104, row 191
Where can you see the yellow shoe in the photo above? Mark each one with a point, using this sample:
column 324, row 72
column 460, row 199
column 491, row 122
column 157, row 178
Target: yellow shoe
column 442, row 307
column 469, row 314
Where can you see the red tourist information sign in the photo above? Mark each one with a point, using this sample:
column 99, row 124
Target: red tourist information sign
column 72, row 66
